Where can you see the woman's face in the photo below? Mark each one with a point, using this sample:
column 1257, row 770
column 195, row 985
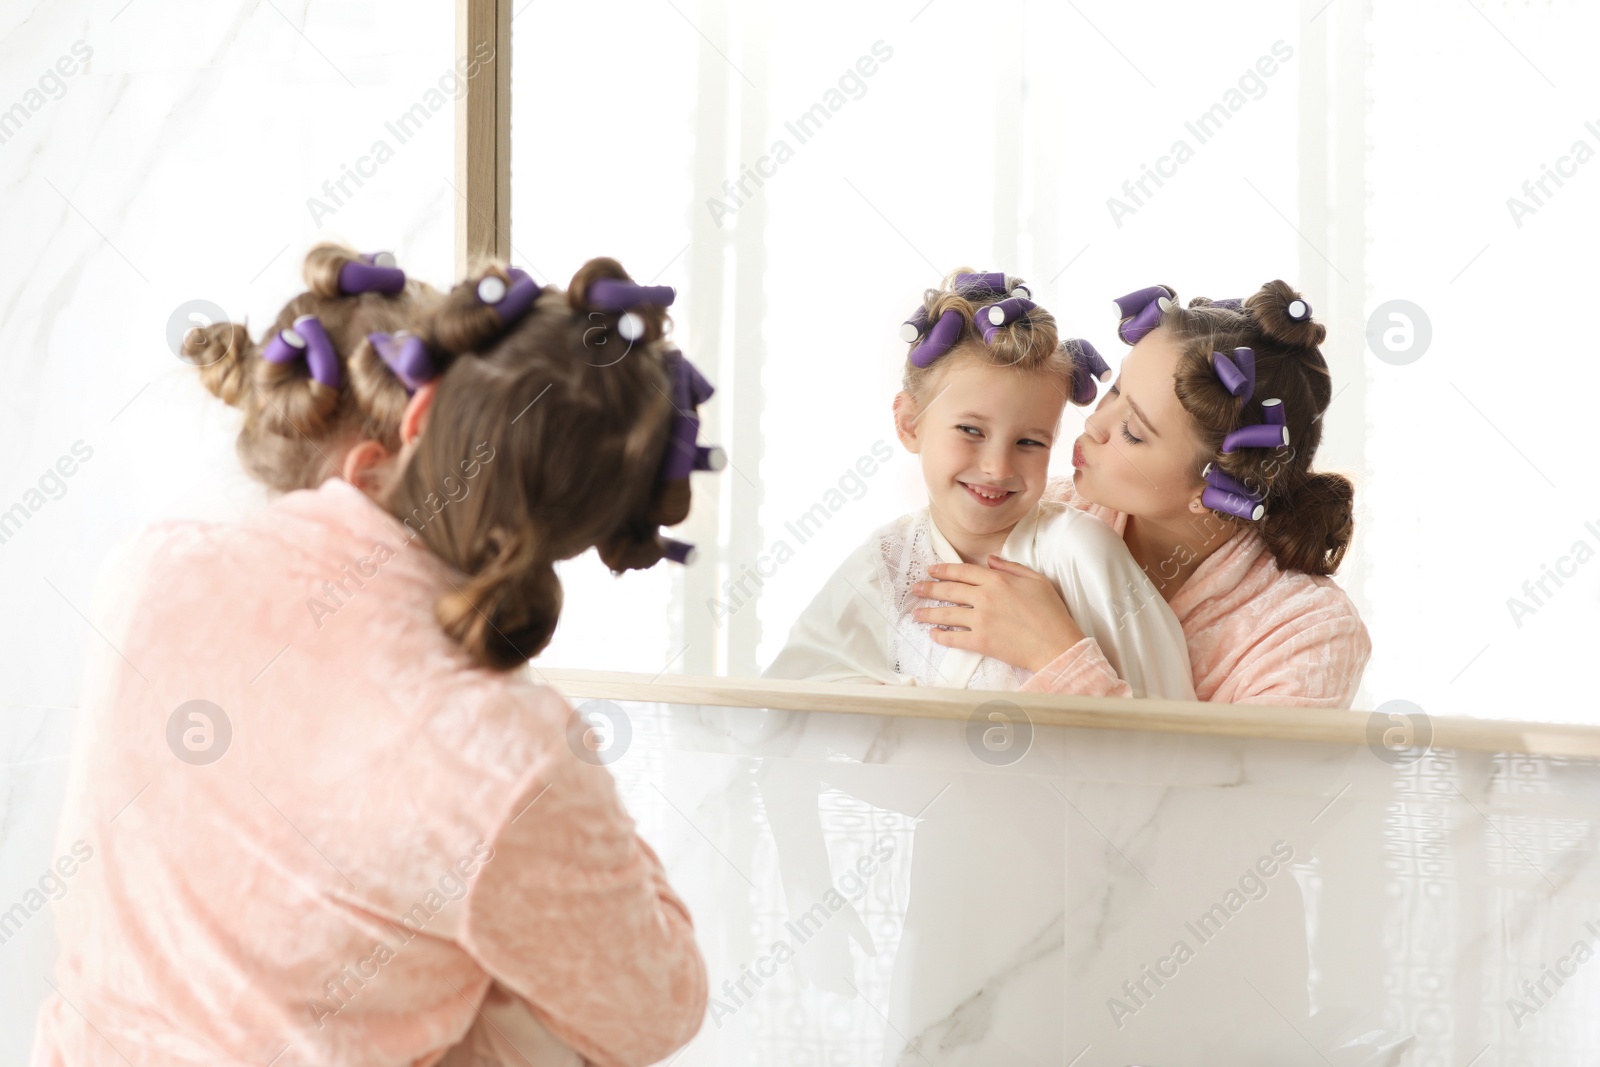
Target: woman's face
column 1139, row 452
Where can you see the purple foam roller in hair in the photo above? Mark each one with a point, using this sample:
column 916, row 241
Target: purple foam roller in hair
column 1232, row 303
column 1221, row 479
column 509, row 302
column 321, row 357
column 940, row 339
column 407, row 356
column 1232, row 503
column 613, row 294
column 992, row 318
column 710, row 458
column 1239, row 373
column 677, row 551
column 285, row 346
column 1256, row 435
column 374, row 272
column 1273, row 414
column 1140, row 312
column 912, row 328
column 1088, row 367
column 1298, row 310
column 985, row 286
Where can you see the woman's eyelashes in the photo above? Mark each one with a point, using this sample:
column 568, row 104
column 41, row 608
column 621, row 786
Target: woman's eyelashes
column 1126, row 435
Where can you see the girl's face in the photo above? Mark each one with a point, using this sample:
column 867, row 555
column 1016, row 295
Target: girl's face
column 1139, row 452
column 984, row 437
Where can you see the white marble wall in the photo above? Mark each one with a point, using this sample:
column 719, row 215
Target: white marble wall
column 173, row 164
column 1373, row 913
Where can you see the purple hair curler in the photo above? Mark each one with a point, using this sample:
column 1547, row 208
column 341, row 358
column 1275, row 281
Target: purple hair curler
column 1221, row 479
column 1088, row 367
column 1273, row 414
column 912, row 328
column 1298, row 310
column 689, row 389
column 286, row 346
column 1232, row 303
column 1256, row 435
column 407, row 355
column 1239, row 373
column 990, row 319
column 321, row 357
column 374, row 272
column 307, row 340
column 940, row 339
column 509, row 302
column 612, row 294
column 988, row 286
column 1140, row 312
column 1232, row 503
column 678, row 551
column 710, row 458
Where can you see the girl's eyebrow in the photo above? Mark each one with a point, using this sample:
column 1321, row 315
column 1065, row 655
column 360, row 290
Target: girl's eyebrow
column 1035, row 431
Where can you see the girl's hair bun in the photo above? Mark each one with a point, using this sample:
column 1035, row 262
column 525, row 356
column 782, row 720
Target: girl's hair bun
column 1272, row 305
column 221, row 353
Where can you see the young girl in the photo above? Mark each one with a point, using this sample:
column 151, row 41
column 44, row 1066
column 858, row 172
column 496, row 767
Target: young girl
column 324, row 818
column 985, row 385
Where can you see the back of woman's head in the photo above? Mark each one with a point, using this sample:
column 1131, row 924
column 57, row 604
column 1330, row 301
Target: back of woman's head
column 553, row 429
column 989, row 318
column 298, row 409
column 1308, row 515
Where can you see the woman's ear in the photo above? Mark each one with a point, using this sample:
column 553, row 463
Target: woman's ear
column 415, row 416
column 905, row 421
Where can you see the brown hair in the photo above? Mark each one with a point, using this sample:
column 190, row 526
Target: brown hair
column 288, row 416
column 1027, row 344
column 1309, row 515
column 569, row 423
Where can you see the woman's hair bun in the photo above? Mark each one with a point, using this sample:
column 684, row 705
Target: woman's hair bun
column 1271, row 305
column 652, row 317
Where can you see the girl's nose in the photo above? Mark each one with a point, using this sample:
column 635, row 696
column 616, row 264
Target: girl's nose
column 997, row 463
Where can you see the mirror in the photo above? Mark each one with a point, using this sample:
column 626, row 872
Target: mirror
column 802, row 174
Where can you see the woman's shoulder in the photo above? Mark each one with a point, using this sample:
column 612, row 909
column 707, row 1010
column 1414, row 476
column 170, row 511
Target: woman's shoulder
column 1247, row 581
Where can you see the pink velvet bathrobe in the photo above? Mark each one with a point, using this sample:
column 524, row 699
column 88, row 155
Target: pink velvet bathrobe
column 390, row 841
column 1257, row 634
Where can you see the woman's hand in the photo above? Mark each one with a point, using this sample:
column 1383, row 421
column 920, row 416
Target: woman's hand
column 1010, row 612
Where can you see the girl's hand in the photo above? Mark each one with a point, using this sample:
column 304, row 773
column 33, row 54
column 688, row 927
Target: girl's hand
column 1009, row 611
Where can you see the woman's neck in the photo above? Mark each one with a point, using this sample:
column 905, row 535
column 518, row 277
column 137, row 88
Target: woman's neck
column 1169, row 551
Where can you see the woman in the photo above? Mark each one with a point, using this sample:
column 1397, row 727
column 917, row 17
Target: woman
column 1237, row 532
column 323, row 815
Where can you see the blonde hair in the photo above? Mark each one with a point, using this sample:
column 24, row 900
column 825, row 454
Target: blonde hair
column 1027, row 344
column 289, row 417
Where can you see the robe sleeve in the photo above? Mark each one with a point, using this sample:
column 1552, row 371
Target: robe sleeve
column 572, row 913
column 844, row 634
column 1133, row 644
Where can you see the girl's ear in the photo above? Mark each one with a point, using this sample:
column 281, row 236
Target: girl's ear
column 363, row 465
column 905, row 421
column 415, row 417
